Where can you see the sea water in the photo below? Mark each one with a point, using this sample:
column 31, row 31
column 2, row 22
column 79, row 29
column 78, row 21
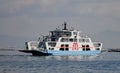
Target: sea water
column 15, row 62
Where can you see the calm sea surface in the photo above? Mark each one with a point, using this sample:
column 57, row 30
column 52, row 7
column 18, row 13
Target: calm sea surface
column 15, row 62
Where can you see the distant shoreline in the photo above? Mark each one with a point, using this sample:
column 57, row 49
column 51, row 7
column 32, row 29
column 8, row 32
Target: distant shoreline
column 108, row 50
column 3, row 49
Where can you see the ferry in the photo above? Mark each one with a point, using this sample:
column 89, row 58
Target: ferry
column 63, row 42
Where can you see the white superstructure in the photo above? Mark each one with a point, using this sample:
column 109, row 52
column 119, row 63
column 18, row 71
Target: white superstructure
column 64, row 42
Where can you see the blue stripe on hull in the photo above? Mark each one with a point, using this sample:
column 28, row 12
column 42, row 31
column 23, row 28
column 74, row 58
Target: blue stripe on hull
column 53, row 52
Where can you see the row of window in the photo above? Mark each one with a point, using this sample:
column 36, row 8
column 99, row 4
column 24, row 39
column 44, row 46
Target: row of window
column 74, row 40
column 86, row 47
column 59, row 33
column 65, row 47
column 52, row 44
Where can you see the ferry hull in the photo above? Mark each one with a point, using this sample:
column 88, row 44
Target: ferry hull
column 61, row 53
column 36, row 53
column 69, row 53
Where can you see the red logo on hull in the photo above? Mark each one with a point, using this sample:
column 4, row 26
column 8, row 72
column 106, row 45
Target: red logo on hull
column 75, row 46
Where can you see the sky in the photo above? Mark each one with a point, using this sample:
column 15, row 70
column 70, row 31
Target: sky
column 26, row 19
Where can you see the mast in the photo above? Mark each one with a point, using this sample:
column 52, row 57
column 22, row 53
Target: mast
column 65, row 26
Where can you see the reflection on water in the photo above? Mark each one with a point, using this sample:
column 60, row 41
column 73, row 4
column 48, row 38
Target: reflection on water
column 71, row 58
column 107, row 62
column 103, row 56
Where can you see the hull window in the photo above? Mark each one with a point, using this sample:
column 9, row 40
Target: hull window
column 64, row 47
column 71, row 40
column 97, row 48
column 85, row 47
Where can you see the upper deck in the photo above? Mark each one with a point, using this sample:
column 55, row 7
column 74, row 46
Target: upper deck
column 64, row 32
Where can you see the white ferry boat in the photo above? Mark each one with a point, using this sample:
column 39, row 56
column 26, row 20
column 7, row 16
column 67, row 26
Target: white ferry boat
column 63, row 42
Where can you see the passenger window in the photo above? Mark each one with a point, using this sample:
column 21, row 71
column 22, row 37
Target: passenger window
column 87, row 48
column 52, row 44
column 81, row 40
column 75, row 33
column 66, row 47
column 71, row 40
column 62, row 47
column 87, row 40
column 83, row 46
column 64, row 40
column 75, row 40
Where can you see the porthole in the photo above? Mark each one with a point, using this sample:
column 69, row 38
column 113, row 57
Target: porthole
column 97, row 48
